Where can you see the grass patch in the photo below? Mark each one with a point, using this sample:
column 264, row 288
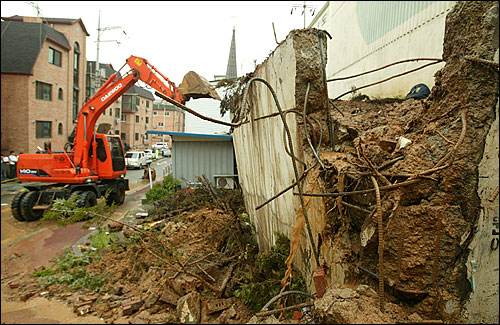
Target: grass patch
column 69, row 270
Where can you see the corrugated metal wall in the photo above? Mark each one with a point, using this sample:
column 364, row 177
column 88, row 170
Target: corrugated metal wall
column 370, row 34
column 195, row 158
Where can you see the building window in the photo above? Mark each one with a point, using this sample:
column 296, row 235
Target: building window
column 167, row 113
column 147, row 119
column 124, row 118
column 117, row 112
column 117, row 131
column 123, row 136
column 147, row 104
column 75, row 104
column 137, row 119
column 59, row 129
column 136, row 136
column 43, row 91
column 43, row 129
column 76, row 64
column 155, row 113
column 54, row 57
column 130, row 103
column 160, row 123
column 60, row 94
column 110, row 111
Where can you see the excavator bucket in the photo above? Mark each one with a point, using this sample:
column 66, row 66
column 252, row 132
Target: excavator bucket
column 195, row 86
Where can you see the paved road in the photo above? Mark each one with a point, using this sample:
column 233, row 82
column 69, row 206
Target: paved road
column 161, row 166
column 32, row 244
column 12, row 230
column 28, row 245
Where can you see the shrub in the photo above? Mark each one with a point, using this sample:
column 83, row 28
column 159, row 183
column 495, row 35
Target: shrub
column 162, row 190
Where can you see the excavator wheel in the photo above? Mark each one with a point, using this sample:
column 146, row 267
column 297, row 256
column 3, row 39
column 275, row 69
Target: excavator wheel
column 27, row 204
column 117, row 196
column 15, row 206
column 74, row 195
column 86, row 200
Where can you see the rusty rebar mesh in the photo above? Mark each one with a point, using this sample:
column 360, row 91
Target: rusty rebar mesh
column 427, row 225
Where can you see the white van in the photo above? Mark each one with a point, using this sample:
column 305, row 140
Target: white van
column 136, row 159
column 160, row 145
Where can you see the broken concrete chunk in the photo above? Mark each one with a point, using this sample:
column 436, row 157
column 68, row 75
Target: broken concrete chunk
column 169, row 297
column 388, row 145
column 215, row 305
column 114, row 226
column 150, row 300
column 402, row 142
column 367, row 230
column 189, row 308
column 364, row 289
column 260, row 320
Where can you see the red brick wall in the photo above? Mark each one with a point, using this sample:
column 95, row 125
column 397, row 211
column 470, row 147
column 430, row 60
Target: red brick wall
column 14, row 113
column 20, row 108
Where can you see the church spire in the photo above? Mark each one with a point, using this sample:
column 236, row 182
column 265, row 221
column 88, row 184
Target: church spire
column 231, row 72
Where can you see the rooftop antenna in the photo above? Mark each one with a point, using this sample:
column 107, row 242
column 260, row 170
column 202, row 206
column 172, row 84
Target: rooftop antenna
column 312, row 10
column 36, row 7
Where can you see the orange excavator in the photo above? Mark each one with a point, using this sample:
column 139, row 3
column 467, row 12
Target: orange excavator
column 94, row 162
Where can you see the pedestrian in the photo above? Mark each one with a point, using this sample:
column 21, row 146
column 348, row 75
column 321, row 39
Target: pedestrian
column 12, row 165
column 5, row 161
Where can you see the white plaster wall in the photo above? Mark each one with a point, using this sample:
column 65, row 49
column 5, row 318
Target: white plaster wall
column 264, row 166
column 421, row 36
column 482, row 307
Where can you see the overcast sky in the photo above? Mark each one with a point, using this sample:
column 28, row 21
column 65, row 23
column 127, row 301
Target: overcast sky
column 178, row 36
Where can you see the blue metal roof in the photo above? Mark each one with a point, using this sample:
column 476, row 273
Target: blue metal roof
column 216, row 136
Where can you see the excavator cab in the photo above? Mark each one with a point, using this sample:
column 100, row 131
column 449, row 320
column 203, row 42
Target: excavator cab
column 110, row 156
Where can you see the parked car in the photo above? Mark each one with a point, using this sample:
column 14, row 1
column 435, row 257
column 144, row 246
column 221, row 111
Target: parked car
column 136, row 159
column 150, row 155
column 166, row 152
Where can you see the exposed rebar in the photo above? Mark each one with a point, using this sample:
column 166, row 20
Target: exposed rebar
column 387, row 79
column 385, row 66
column 380, row 246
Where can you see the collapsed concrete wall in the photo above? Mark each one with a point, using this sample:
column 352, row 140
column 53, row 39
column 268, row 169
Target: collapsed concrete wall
column 261, row 145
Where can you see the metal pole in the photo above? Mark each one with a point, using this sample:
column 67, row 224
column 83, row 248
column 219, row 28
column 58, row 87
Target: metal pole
column 164, row 129
column 150, row 180
column 304, row 14
column 97, row 55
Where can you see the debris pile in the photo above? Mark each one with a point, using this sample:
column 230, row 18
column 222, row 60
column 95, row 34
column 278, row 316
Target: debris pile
column 400, row 177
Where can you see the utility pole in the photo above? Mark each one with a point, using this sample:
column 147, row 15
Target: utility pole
column 311, row 8
column 164, row 116
column 99, row 32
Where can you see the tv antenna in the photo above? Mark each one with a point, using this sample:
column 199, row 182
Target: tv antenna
column 312, row 10
column 36, row 7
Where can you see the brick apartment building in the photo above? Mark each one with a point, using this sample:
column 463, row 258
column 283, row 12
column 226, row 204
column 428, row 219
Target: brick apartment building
column 137, row 114
column 166, row 117
column 131, row 115
column 43, row 78
column 93, row 81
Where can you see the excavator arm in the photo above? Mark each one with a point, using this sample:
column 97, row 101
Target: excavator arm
column 114, row 87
